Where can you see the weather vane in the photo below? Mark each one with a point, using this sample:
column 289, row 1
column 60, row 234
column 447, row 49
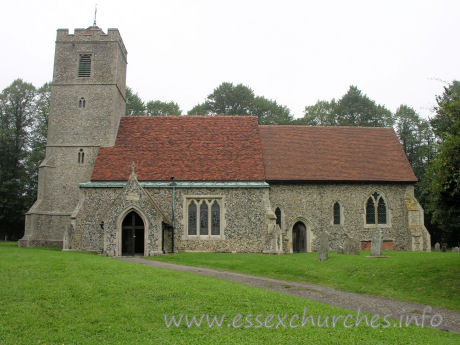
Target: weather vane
column 95, row 13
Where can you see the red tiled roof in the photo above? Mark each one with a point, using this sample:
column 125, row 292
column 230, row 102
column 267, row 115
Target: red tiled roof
column 304, row 153
column 190, row 148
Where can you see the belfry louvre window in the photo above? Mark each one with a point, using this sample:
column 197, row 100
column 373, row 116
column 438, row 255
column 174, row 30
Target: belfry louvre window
column 84, row 66
column 204, row 217
column 376, row 210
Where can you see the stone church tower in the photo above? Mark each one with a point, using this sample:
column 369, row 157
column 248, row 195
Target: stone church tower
column 87, row 101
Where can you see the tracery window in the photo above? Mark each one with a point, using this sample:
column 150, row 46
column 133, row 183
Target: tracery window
column 204, row 217
column 376, row 210
column 82, row 103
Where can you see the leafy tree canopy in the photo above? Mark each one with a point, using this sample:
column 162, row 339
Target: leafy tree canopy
column 162, row 108
column 443, row 175
column 229, row 99
column 134, row 104
column 353, row 109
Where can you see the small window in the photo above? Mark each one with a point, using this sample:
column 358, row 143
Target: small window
column 337, row 219
column 192, row 218
column 81, row 156
column 82, row 103
column 278, row 216
column 84, row 66
column 370, row 211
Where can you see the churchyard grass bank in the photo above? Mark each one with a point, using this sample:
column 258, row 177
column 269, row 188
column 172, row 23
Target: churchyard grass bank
column 54, row 297
column 420, row 277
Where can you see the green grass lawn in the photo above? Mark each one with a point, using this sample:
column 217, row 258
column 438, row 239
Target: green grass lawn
column 426, row 278
column 54, row 297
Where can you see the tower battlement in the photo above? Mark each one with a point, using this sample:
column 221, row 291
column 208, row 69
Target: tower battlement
column 91, row 34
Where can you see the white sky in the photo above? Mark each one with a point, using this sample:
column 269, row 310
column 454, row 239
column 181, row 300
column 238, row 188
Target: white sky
column 296, row 52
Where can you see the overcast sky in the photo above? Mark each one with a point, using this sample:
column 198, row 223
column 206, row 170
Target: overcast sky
column 295, row 52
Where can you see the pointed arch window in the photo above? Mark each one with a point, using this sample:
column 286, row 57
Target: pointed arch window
column 215, row 218
column 381, row 212
column 204, row 218
column 192, row 218
column 81, row 156
column 278, row 216
column 82, row 103
column 336, row 212
column 376, row 210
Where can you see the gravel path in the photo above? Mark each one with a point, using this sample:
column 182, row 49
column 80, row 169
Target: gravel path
column 348, row 300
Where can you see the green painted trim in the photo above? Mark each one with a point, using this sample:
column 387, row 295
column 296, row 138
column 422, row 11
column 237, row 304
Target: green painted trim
column 181, row 184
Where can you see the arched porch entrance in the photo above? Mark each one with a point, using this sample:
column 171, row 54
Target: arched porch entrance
column 299, row 238
column 132, row 235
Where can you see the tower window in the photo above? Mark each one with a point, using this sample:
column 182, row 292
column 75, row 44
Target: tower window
column 84, row 66
column 82, row 103
column 81, row 156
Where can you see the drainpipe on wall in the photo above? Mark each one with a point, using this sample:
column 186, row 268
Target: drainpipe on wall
column 173, row 185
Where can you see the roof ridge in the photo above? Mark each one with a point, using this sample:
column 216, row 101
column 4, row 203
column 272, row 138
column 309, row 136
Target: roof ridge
column 314, row 126
column 187, row 116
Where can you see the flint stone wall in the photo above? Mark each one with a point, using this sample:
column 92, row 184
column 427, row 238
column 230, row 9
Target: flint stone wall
column 243, row 222
column 313, row 205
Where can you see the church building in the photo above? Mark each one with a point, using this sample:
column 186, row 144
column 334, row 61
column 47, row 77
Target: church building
column 138, row 185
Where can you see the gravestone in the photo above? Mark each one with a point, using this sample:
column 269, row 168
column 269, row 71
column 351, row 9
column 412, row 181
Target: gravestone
column 437, row 247
column 455, row 250
column 376, row 243
column 444, row 248
column 351, row 246
column 323, row 246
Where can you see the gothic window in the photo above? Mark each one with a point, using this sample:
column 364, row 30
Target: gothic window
column 376, row 210
column 84, row 66
column 337, row 219
column 204, row 218
column 81, row 156
column 82, row 103
column 370, row 211
column 215, row 219
column 381, row 212
column 278, row 216
column 192, row 218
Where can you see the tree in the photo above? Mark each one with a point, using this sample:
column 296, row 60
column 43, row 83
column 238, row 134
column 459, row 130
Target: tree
column 229, row 99
column 199, row 109
column 16, row 113
column 443, row 173
column 353, row 109
column 162, row 108
column 134, row 104
column 37, row 141
column 416, row 137
column 321, row 114
column 269, row 112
